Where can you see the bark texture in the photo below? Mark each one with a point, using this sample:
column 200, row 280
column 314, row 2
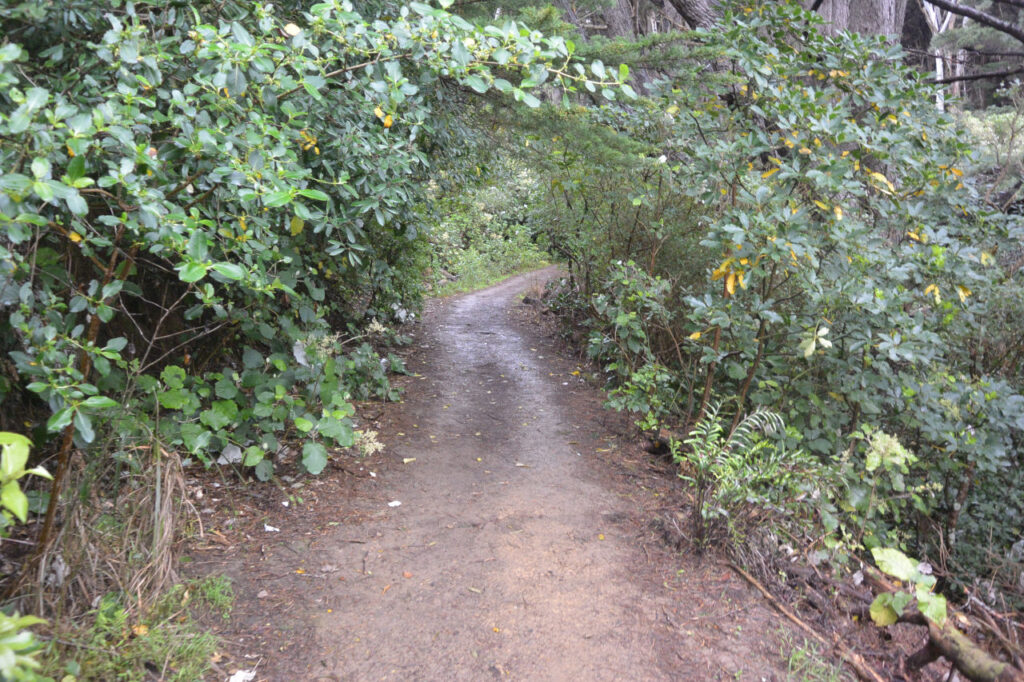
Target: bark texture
column 697, row 13
column 870, row 17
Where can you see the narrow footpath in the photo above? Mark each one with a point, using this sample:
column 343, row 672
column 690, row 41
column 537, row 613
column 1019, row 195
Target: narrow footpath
column 504, row 533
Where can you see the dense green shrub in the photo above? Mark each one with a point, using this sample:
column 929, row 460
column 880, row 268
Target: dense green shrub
column 799, row 235
column 204, row 202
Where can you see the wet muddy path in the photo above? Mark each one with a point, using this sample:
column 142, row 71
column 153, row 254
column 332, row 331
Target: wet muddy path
column 503, row 534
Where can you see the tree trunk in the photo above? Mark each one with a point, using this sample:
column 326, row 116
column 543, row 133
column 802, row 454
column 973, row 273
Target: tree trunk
column 870, row 17
column 697, row 13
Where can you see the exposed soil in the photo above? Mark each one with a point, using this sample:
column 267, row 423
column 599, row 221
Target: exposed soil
column 523, row 547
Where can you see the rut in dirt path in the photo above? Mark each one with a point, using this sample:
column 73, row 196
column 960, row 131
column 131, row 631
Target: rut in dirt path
column 514, row 552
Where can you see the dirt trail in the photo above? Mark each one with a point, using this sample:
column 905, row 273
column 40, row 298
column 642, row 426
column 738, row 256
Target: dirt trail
column 521, row 548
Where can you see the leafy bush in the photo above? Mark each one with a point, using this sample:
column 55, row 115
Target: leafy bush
column 196, row 196
column 803, row 221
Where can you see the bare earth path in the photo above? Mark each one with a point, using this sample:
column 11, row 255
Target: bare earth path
column 521, row 549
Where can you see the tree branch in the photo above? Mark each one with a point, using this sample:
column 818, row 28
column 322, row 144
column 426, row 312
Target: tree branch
column 978, row 76
column 981, row 17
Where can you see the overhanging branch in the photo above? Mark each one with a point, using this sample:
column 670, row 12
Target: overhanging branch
column 981, row 17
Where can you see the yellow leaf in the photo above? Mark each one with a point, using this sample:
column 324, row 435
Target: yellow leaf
column 730, row 283
column 839, row 212
column 805, row 150
column 739, row 278
column 821, row 204
column 71, row 152
column 963, row 292
column 378, row 112
column 297, row 224
column 388, row 121
column 934, row 290
column 694, row 336
column 986, row 258
column 140, row 630
column 881, row 179
column 300, row 571
column 75, row 237
column 957, row 172
column 672, row 110
column 292, row 30
column 769, row 173
column 600, row 536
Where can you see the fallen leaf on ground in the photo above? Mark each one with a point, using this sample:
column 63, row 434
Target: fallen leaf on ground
column 243, row 676
column 408, row 460
column 386, row 588
column 271, row 529
column 475, row 590
column 407, row 574
column 262, row 594
column 394, row 503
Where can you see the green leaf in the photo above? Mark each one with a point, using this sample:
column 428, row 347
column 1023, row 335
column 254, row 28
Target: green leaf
column 15, row 456
column 264, row 470
column 275, row 199
column 530, row 101
column 881, row 611
column 623, row 72
column 314, row 194
column 314, row 457
column 477, row 83
column 338, row 430
column 303, row 424
column 236, row 82
column 191, row 271
column 99, row 402
column 253, row 456
column 229, row 270
column 895, row 563
column 597, row 66
column 83, row 425
column 221, row 414
column 59, row 420
column 932, row 606
column 14, row 500
column 76, row 168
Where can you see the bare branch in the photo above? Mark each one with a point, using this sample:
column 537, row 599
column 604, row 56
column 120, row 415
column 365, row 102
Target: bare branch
column 981, row 17
column 979, row 76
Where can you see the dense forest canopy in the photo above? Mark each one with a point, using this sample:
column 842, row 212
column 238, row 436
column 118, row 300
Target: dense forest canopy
column 216, row 213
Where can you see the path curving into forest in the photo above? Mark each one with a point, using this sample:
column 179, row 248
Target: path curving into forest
column 519, row 550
